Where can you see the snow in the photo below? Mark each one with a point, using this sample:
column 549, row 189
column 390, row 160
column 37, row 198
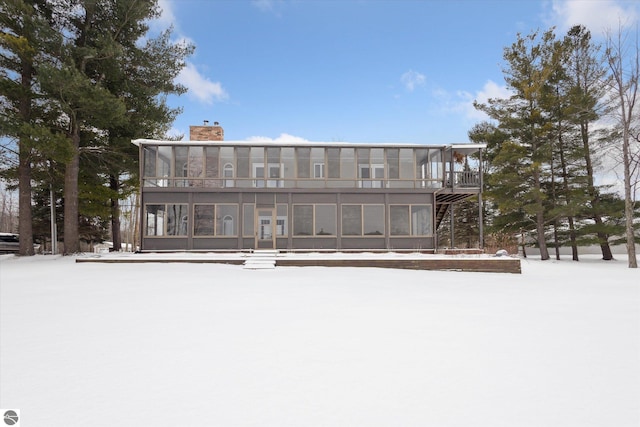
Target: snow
column 168, row 344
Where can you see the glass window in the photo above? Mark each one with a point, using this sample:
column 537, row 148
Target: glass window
column 164, row 166
column 155, row 218
column 282, row 224
column 352, row 220
column 177, row 220
column 203, row 220
column 288, row 160
column 211, row 166
column 377, row 158
column 243, row 162
column 247, row 219
column 348, row 166
column 149, row 155
column 437, row 166
column 393, row 163
column 257, row 165
column 421, row 220
column 317, row 159
column 325, row 224
column 422, row 163
column 363, row 163
column 303, row 220
column 226, row 220
column 211, row 162
column 303, row 157
column 227, row 172
column 406, row 163
column 399, row 220
column 333, row 161
column 227, row 162
column 196, row 160
column 181, row 154
column 373, row 220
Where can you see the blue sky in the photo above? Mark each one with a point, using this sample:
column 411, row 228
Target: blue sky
column 357, row 70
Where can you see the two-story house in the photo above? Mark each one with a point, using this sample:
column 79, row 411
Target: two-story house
column 211, row 194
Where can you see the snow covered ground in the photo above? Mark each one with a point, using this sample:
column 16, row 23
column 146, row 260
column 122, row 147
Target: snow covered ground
column 84, row 344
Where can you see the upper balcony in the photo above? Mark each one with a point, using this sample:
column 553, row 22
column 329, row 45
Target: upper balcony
column 250, row 165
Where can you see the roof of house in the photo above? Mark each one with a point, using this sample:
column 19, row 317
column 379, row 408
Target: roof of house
column 459, row 147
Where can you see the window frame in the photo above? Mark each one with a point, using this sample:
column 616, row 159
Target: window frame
column 410, row 207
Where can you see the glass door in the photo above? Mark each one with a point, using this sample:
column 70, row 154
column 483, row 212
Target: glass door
column 265, row 238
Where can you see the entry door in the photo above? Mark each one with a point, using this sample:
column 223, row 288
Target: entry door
column 265, row 224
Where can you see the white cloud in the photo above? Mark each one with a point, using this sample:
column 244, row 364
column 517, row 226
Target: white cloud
column 284, row 137
column 411, row 79
column 597, row 15
column 462, row 101
column 167, row 18
column 200, row 87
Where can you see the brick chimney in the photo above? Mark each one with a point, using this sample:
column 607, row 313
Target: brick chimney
column 206, row 132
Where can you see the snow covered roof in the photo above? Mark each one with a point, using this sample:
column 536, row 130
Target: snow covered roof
column 294, row 143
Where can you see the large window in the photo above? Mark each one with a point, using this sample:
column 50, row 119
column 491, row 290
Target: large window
column 212, row 165
column 226, row 220
column 203, row 220
column 215, row 220
column 414, row 220
column 303, row 162
column 370, row 167
column 282, row 224
column 325, row 220
column 303, row 220
column 314, row 220
column 373, row 220
column 317, row 159
column 186, row 165
column 352, row 220
column 363, row 220
column 248, row 212
column 166, row 220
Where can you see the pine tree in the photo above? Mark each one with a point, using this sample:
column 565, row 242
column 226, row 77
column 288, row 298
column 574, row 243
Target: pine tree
column 141, row 76
column 523, row 117
column 27, row 40
column 586, row 77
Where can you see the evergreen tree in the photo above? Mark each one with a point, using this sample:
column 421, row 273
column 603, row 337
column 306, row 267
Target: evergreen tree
column 27, row 42
column 586, row 77
column 524, row 118
column 141, row 76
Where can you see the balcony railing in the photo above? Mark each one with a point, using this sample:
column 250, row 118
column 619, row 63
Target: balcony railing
column 463, row 179
column 466, row 179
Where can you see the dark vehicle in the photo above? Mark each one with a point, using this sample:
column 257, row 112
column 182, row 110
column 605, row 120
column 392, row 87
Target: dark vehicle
column 9, row 243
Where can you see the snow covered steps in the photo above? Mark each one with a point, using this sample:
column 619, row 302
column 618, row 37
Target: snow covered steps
column 261, row 260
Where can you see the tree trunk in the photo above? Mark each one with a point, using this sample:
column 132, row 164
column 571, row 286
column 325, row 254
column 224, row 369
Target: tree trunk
column 556, row 243
column 25, row 225
column 565, row 184
column 628, row 201
column 116, row 235
column 71, row 209
column 603, row 238
column 542, row 243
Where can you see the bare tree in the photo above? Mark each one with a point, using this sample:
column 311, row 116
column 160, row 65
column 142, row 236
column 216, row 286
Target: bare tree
column 623, row 58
